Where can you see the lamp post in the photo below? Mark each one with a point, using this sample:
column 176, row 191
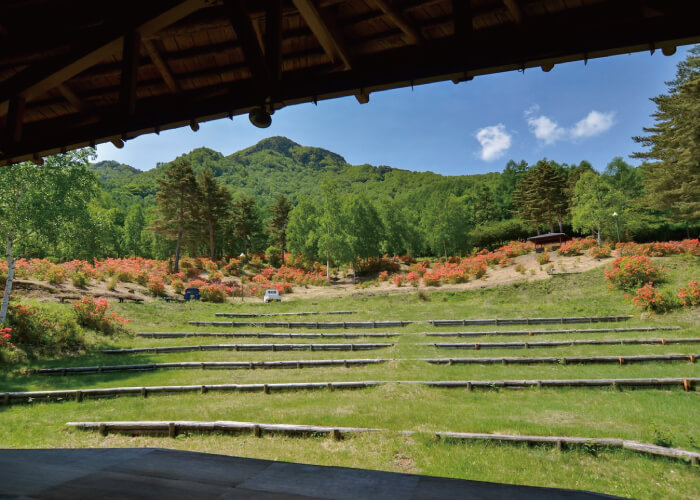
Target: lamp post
column 617, row 228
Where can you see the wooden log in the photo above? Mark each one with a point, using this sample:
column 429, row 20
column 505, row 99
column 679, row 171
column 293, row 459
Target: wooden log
column 172, row 427
column 549, row 332
column 555, row 383
column 250, row 347
column 290, row 324
column 254, row 315
column 527, row 321
column 566, row 360
column 173, row 335
column 527, row 345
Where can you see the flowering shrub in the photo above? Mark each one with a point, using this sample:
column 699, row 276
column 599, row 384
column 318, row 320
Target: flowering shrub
column 600, row 252
column 283, row 287
column 543, row 258
column 399, row 280
column 432, row 279
column 520, row 268
column 92, row 313
column 413, row 279
column 660, row 249
column 156, row 287
column 55, row 275
column 516, row 248
column 630, row 272
column 383, row 276
column 6, row 337
column 79, row 280
column 651, row 299
column 35, row 331
column 213, row 293
column 689, row 295
column 178, row 285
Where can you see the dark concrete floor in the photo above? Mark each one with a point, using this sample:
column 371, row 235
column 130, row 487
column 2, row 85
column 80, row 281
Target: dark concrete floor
column 147, row 473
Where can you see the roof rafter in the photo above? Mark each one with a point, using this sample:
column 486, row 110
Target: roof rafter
column 161, row 65
column 326, row 33
column 243, row 26
column 412, row 34
column 36, row 80
column 515, row 10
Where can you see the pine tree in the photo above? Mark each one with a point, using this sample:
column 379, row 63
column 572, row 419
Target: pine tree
column 672, row 183
column 245, row 220
column 541, row 195
column 213, row 207
column 177, row 200
column 277, row 225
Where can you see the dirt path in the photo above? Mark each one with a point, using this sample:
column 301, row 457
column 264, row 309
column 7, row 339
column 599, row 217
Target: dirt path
column 43, row 291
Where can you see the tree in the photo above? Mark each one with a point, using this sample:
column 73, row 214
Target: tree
column 446, row 224
column 177, row 199
column 593, row 204
column 214, row 205
column 302, row 230
column 541, row 194
column 40, row 200
column 134, row 224
column 363, row 227
column 332, row 240
column 245, row 220
column 277, row 225
column 672, row 182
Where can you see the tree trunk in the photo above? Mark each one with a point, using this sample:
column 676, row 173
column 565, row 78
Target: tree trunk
column 561, row 227
column 687, row 229
column 444, row 248
column 551, row 220
column 328, row 271
column 284, row 249
column 212, row 255
column 599, row 234
column 8, row 283
column 245, row 244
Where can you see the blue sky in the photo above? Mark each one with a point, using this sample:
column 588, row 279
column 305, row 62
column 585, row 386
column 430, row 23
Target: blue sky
column 575, row 112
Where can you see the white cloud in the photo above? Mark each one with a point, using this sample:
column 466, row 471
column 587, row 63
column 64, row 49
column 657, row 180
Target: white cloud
column 593, row 124
column 548, row 131
column 494, row 141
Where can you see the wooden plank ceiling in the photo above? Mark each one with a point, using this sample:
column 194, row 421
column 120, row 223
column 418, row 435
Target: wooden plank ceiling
column 75, row 73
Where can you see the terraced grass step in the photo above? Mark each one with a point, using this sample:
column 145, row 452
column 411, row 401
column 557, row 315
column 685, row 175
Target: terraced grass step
column 8, row 398
column 175, row 335
column 552, row 332
column 325, row 363
column 173, row 428
column 249, row 347
column 559, row 343
column 434, row 322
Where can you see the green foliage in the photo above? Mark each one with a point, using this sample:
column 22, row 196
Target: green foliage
column 246, row 220
column 541, row 195
column 672, row 180
column 213, row 207
column 593, row 205
column 278, row 221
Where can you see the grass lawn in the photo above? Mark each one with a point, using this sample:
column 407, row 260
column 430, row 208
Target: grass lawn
column 649, row 415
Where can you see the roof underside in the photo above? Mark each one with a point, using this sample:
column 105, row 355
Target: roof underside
column 75, row 73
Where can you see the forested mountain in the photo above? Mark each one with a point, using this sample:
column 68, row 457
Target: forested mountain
column 278, row 165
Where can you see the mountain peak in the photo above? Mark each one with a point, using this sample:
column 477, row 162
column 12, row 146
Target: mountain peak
column 278, row 143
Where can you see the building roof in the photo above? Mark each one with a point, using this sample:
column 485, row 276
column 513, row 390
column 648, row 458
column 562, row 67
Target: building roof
column 542, row 239
column 75, row 73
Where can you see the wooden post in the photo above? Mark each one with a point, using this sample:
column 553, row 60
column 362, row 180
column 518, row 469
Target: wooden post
column 330, row 387
column 257, row 432
column 204, row 389
column 103, row 430
column 560, row 445
column 266, row 389
column 144, row 392
column 78, row 396
column 336, row 435
column 6, row 399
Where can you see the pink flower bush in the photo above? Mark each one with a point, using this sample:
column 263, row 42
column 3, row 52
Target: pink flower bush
column 92, row 313
column 689, row 295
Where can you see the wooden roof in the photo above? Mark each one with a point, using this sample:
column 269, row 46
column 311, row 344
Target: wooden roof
column 75, row 73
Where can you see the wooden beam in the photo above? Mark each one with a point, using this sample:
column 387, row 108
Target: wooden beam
column 245, row 32
column 36, row 80
column 412, row 34
column 15, row 118
column 130, row 66
column 71, row 97
column 463, row 18
column 273, row 39
column 362, row 97
column 161, row 65
column 515, row 11
column 326, row 35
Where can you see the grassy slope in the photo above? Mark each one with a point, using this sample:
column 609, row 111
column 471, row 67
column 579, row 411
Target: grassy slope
column 633, row 414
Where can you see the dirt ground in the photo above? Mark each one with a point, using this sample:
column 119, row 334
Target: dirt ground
column 343, row 287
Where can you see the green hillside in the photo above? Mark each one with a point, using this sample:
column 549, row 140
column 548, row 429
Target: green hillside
column 278, row 165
